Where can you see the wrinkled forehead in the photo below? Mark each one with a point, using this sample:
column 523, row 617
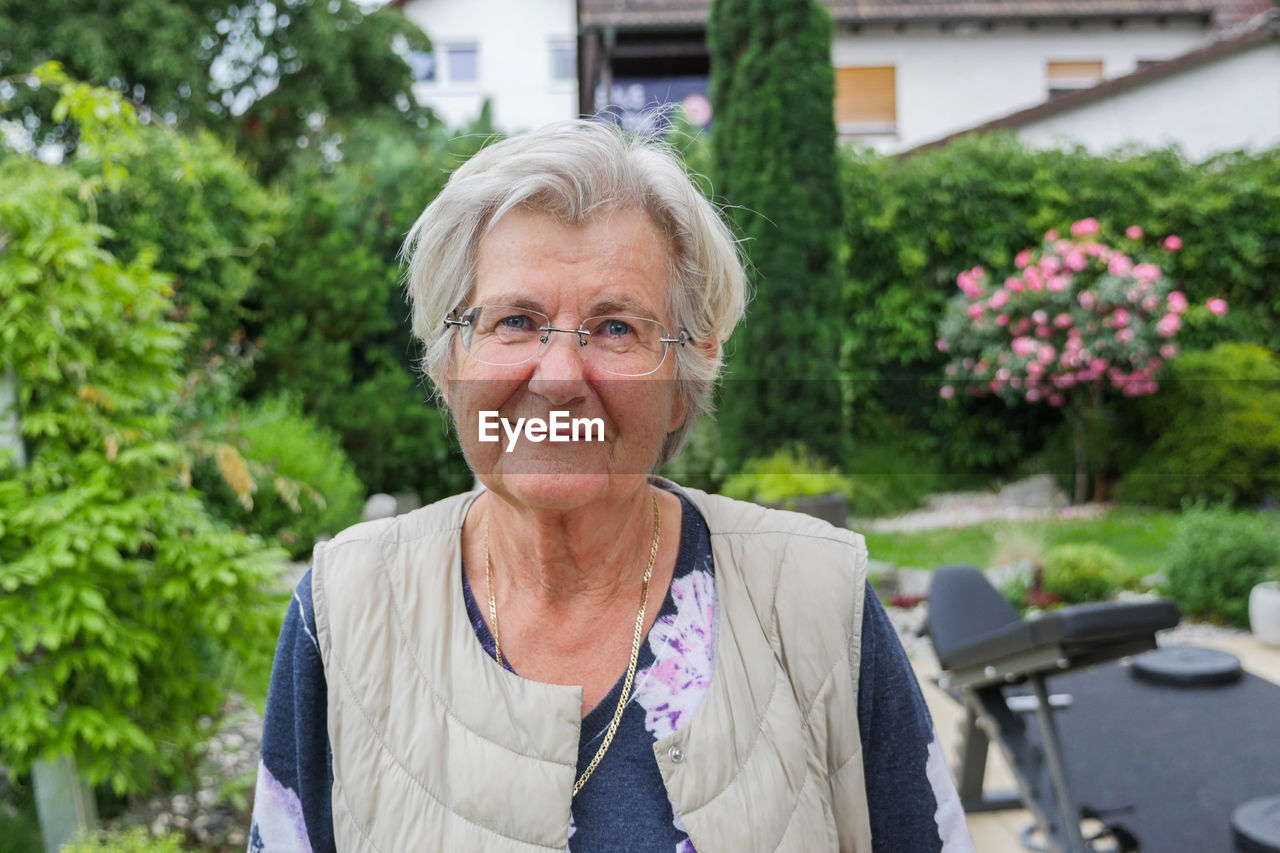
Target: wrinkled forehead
column 617, row 261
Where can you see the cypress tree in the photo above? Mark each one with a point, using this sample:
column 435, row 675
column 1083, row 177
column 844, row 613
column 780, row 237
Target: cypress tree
column 774, row 163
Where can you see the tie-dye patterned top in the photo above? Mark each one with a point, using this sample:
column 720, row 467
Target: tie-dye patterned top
column 624, row 806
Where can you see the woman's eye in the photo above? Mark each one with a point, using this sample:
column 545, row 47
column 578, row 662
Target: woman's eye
column 516, row 322
column 616, row 328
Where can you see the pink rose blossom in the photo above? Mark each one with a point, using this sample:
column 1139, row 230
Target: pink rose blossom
column 1133, row 232
column 1177, row 302
column 1002, row 320
column 1051, row 235
column 1084, row 227
column 1047, row 354
column 1168, row 325
column 1023, row 326
column 975, row 310
column 1120, row 318
column 1076, row 261
column 942, row 345
column 1087, row 300
column 1062, row 320
column 1022, row 259
column 1033, row 395
column 1055, row 400
column 1058, row 283
column 1043, row 331
column 1146, row 272
column 1013, row 284
column 1119, row 264
column 968, row 364
column 1003, row 374
column 1173, row 242
column 1217, row 307
column 1124, row 336
column 1169, row 351
column 1150, row 304
column 947, row 392
column 1023, row 347
column 999, row 299
column 1039, row 316
column 1050, row 264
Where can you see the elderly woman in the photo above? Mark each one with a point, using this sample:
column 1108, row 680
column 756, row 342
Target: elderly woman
column 580, row 654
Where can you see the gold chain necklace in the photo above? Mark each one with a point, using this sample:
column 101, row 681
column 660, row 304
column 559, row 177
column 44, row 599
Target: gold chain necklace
column 635, row 640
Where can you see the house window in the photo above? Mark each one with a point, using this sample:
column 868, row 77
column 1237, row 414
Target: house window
column 866, row 100
column 462, row 62
column 1067, row 77
column 423, row 65
column 564, row 62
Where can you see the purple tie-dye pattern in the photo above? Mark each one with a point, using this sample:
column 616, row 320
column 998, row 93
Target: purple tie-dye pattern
column 683, row 646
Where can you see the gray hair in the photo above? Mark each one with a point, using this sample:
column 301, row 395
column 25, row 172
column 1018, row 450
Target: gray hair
column 574, row 171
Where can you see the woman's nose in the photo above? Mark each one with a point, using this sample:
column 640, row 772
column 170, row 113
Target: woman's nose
column 560, row 373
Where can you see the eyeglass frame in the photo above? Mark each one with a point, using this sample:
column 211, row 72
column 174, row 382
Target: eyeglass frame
column 458, row 318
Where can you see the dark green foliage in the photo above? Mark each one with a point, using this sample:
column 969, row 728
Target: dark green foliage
column 700, row 464
column 301, row 484
column 194, row 207
column 1082, row 572
column 1216, row 557
column 120, row 600
column 913, row 223
column 333, row 321
column 1214, row 430
column 774, row 163
column 316, row 59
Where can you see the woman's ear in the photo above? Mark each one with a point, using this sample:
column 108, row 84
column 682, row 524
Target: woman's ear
column 709, row 348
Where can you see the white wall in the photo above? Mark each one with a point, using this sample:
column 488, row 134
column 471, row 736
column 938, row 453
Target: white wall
column 1226, row 105
column 515, row 39
column 950, row 81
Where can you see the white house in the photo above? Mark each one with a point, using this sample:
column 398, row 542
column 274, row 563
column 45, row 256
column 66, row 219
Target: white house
column 911, row 71
column 1222, row 97
column 521, row 55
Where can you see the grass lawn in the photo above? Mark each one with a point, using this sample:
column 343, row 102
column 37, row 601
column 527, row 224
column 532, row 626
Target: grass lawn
column 1139, row 536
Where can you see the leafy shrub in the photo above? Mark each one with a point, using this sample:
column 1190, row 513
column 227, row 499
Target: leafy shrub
column 136, row 840
column 278, row 473
column 1082, row 572
column 120, row 599
column 1216, row 430
column 912, row 224
column 330, row 309
column 1216, row 557
column 779, row 479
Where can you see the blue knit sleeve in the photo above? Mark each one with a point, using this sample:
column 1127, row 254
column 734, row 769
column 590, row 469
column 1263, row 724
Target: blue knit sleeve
column 291, row 807
column 911, row 798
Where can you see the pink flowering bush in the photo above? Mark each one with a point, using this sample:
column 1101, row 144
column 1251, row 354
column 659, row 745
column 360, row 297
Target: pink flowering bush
column 1075, row 320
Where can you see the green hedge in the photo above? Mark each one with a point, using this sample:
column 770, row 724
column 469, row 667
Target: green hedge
column 1216, row 557
column 1214, row 430
column 912, row 223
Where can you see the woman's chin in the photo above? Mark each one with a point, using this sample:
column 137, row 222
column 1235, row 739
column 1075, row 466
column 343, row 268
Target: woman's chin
column 552, row 489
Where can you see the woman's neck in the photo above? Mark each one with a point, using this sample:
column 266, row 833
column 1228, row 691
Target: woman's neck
column 587, row 555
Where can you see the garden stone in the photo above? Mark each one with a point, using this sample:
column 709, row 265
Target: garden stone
column 379, row 506
column 407, row 502
column 1038, row 492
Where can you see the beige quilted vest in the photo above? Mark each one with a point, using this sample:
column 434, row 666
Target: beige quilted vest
column 437, row 748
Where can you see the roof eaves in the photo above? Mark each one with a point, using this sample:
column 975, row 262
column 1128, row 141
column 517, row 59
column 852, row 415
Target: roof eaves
column 1266, row 30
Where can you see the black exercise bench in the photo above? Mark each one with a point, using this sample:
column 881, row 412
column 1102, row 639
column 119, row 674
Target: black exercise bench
column 984, row 647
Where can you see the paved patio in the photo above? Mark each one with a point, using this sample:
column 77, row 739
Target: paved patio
column 998, row 832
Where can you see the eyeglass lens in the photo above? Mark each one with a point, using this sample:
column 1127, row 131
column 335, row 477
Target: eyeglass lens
column 619, row 344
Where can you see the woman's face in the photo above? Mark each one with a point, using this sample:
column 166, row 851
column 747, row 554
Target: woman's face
column 614, row 264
